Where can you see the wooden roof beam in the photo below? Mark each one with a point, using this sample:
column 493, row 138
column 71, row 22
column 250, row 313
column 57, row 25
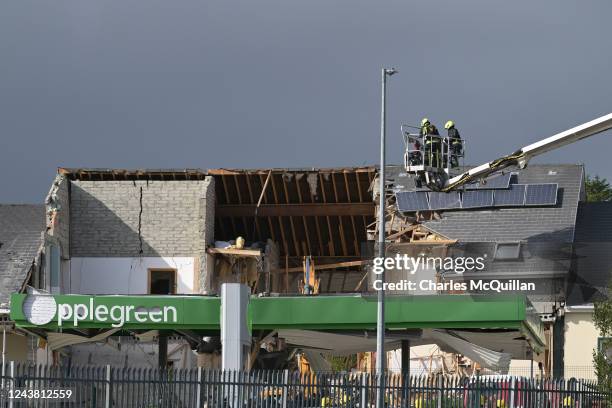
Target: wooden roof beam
column 296, row 210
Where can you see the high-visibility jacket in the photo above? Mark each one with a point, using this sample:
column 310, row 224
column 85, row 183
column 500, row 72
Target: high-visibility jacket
column 429, row 130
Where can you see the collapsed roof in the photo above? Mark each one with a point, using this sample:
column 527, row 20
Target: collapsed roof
column 321, row 212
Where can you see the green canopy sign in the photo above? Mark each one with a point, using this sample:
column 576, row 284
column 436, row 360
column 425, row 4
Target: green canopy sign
column 130, row 312
column 342, row 312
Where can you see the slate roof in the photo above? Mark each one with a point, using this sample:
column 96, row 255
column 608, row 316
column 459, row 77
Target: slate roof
column 593, row 247
column 546, row 234
column 21, row 236
column 541, row 224
column 594, row 222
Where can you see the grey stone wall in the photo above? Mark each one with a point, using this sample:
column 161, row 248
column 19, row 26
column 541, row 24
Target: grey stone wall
column 57, row 205
column 140, row 218
column 206, row 232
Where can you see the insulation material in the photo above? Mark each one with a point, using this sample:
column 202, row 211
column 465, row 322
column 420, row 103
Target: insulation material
column 338, row 344
column 313, row 183
column 499, row 362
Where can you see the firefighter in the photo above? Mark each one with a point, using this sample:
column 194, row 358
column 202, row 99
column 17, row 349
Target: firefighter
column 431, row 140
column 427, row 128
column 455, row 142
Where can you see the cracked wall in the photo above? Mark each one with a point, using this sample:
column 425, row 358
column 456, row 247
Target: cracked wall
column 139, row 218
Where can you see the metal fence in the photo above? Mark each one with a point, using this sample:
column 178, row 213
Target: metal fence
column 152, row 388
column 585, row 372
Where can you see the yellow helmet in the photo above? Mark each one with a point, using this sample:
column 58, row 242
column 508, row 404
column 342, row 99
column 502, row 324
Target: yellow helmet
column 449, row 124
column 424, row 121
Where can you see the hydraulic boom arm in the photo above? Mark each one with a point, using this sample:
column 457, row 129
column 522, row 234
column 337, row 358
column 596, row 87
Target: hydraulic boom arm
column 522, row 156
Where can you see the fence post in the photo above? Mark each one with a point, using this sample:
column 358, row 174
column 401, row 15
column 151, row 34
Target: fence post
column 364, row 390
column 440, row 384
column 12, row 384
column 108, row 386
column 285, row 388
column 199, row 388
column 512, row 391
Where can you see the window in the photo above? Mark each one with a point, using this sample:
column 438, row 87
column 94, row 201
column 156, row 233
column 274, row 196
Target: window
column 53, row 266
column 162, row 281
column 505, row 251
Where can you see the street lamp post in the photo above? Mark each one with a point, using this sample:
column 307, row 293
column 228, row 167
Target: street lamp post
column 380, row 321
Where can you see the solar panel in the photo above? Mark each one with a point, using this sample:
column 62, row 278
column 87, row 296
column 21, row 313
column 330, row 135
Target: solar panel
column 477, row 198
column 444, row 201
column 541, row 194
column 513, row 196
column 492, row 183
column 412, row 201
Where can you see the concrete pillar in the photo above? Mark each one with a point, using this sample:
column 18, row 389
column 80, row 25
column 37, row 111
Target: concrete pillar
column 235, row 334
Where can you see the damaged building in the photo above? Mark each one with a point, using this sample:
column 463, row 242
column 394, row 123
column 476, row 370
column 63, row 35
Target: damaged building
column 286, row 233
column 178, row 232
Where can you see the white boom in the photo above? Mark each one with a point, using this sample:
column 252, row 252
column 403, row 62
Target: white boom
column 522, row 156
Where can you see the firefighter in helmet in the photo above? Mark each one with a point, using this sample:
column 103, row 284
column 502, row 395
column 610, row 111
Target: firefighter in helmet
column 431, row 140
column 455, row 142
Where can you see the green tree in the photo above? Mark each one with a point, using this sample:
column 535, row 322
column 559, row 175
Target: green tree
column 598, row 189
column 602, row 357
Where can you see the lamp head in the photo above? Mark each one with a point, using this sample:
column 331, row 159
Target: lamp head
column 390, row 71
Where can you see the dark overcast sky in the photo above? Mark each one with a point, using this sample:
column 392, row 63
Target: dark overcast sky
column 205, row 84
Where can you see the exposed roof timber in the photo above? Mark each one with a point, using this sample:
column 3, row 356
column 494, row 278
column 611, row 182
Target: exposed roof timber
column 102, row 174
column 308, row 212
column 93, row 173
column 296, row 210
column 235, row 251
column 322, row 267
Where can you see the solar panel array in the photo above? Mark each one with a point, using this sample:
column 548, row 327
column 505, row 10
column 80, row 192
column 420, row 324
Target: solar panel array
column 497, row 182
column 412, row 201
column 541, row 194
column 446, row 201
column 477, row 199
column 514, row 195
